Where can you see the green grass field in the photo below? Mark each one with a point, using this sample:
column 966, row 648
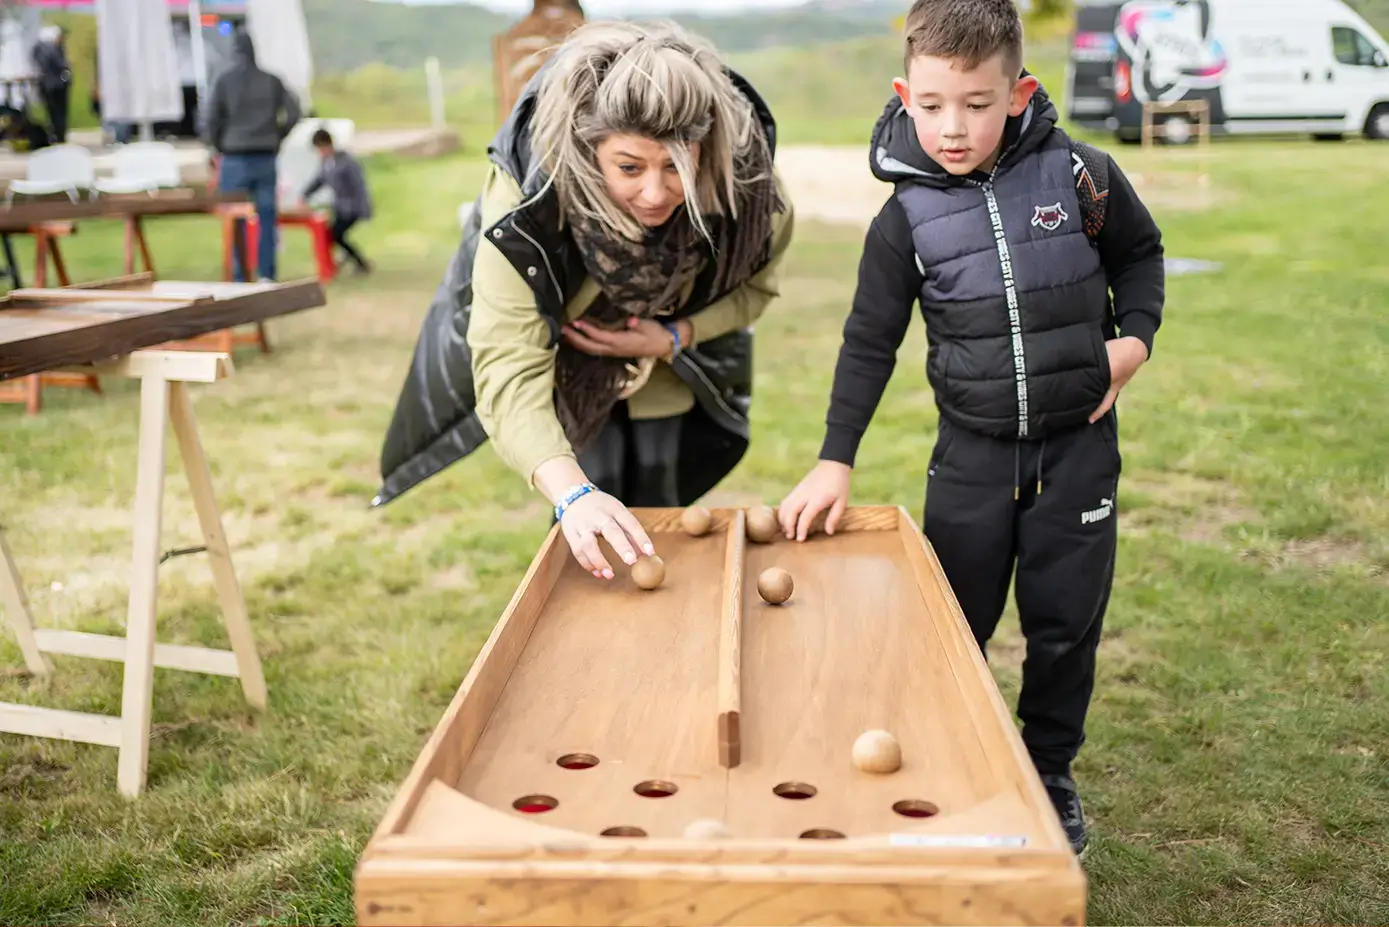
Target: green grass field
column 1236, row 764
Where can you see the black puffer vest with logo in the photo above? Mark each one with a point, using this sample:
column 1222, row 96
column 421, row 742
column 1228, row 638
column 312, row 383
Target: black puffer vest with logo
column 1015, row 298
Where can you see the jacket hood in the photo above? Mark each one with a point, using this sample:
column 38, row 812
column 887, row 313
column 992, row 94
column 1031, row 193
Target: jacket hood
column 511, row 147
column 896, row 156
column 243, row 48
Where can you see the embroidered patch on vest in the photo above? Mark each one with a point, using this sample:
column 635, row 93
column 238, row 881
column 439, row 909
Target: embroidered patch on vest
column 1049, row 217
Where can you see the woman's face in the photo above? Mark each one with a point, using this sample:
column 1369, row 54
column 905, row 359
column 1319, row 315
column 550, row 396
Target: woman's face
column 641, row 177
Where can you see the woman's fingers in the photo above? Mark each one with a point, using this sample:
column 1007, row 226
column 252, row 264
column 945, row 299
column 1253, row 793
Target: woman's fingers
column 789, row 511
column 635, row 531
column 808, row 518
column 618, row 540
column 584, row 343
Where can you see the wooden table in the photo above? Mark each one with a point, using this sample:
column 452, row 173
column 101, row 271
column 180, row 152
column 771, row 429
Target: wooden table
column 111, row 331
column 601, row 721
column 132, row 209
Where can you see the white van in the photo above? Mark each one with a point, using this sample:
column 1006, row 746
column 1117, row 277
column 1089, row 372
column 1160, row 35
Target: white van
column 1311, row 67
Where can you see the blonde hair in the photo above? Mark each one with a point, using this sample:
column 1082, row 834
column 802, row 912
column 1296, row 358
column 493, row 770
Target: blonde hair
column 656, row 81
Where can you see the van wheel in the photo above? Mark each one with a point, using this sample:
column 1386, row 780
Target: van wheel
column 1377, row 126
column 1176, row 130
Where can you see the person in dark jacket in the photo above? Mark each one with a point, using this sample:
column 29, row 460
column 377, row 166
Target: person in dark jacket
column 1041, row 279
column 342, row 174
column 249, row 115
column 55, row 79
column 595, row 324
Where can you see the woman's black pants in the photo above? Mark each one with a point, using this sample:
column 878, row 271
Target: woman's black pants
column 636, row 461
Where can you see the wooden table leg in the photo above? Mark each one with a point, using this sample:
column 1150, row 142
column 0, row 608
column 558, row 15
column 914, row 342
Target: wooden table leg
column 16, row 607
column 137, row 695
column 219, row 554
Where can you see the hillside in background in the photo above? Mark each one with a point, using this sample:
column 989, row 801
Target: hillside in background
column 348, row 34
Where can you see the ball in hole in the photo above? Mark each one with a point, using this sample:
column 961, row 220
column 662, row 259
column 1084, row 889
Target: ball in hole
column 707, row 829
column 775, row 585
column 877, row 752
column 649, row 572
column 762, row 525
column 696, row 520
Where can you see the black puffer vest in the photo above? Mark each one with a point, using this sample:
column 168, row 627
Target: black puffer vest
column 435, row 423
column 1014, row 295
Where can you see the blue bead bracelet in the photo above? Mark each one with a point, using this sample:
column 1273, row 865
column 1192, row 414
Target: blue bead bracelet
column 575, row 494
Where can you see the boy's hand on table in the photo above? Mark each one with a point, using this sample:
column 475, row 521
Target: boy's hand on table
column 825, row 487
column 1126, row 355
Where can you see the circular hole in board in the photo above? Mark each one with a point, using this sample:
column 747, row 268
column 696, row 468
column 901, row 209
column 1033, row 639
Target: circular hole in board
column 822, row 833
column 912, row 808
column 577, row 761
column 535, row 804
column 796, row 791
column 623, row 832
column 655, row 788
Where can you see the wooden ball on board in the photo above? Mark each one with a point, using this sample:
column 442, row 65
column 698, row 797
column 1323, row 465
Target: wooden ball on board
column 696, row 520
column 649, row 572
column 877, row 752
column 707, row 829
column 762, row 524
column 775, row 585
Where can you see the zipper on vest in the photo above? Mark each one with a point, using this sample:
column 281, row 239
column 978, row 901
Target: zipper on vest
column 1010, row 290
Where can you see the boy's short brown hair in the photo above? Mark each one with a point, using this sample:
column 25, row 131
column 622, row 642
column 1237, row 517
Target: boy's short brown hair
column 968, row 32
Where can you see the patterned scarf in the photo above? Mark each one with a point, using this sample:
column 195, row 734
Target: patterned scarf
column 646, row 279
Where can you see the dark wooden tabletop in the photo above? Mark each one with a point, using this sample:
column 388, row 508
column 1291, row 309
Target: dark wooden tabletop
column 26, row 213
column 48, row 329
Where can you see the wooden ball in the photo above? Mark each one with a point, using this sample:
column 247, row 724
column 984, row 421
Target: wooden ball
column 775, row 585
column 877, row 752
column 696, row 520
column 762, row 524
column 649, row 572
column 707, row 829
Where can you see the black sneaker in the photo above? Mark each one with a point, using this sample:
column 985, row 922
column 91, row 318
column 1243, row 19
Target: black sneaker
column 1062, row 790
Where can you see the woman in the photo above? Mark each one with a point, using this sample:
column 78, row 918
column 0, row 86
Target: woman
column 595, row 323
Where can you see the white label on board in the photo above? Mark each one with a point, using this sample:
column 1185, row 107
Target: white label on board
column 956, row 840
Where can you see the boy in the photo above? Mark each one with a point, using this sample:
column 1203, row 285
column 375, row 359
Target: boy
column 343, row 175
column 1011, row 236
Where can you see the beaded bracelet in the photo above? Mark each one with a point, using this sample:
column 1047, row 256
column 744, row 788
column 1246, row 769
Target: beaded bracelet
column 572, row 496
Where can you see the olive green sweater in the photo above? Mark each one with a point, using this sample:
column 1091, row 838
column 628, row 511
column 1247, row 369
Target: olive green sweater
column 514, row 368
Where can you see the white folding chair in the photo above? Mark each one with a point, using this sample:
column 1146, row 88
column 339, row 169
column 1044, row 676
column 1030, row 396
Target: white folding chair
column 65, row 168
column 142, row 167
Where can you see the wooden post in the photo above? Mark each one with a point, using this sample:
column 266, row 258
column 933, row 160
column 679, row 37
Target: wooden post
column 519, row 52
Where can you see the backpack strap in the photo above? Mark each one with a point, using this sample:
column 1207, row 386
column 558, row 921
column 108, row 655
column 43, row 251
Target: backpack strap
column 1091, row 169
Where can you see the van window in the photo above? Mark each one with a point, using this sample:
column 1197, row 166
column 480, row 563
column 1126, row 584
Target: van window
column 1353, row 48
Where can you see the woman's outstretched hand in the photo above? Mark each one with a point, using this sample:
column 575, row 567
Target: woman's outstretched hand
column 601, row 515
column 590, row 517
column 640, row 338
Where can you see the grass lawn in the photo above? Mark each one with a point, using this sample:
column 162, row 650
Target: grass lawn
column 1236, row 766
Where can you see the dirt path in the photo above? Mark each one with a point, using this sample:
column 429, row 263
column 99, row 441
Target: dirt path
column 832, row 184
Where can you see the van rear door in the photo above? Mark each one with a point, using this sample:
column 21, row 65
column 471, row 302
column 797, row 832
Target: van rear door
column 1090, row 67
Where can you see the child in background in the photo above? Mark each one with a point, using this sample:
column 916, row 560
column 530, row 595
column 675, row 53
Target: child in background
column 342, row 174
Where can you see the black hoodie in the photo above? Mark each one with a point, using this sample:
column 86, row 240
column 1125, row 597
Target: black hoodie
column 249, row 111
column 891, row 278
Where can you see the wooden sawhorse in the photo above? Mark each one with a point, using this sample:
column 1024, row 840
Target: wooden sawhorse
column 164, row 377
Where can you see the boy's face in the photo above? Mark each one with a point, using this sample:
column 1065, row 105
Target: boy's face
column 960, row 115
column 325, row 151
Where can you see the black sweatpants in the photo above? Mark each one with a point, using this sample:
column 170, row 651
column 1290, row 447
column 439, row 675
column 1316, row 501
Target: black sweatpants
column 1060, row 538
column 637, row 462
column 341, row 225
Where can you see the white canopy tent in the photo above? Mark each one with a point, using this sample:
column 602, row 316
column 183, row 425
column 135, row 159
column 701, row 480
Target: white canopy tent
column 139, row 69
column 282, row 43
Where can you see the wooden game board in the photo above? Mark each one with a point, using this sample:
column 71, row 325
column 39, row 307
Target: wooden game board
column 600, row 720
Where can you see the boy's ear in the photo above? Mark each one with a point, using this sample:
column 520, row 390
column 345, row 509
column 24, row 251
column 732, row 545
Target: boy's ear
column 904, row 91
column 1022, row 94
